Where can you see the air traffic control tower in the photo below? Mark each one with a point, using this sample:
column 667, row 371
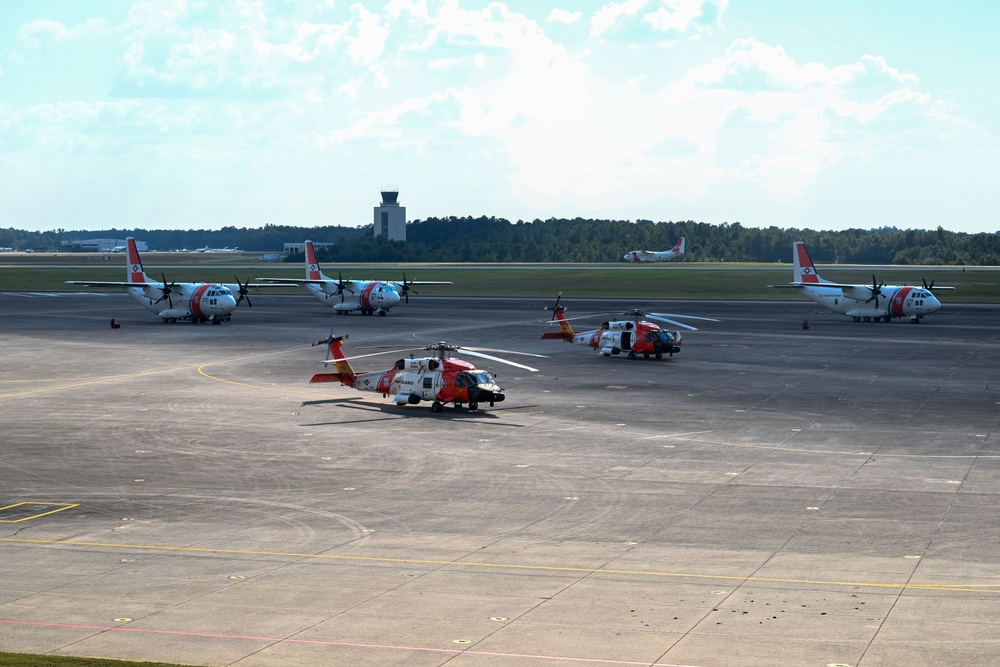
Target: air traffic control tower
column 390, row 217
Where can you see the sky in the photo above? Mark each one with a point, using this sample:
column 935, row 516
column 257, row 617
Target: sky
column 201, row 114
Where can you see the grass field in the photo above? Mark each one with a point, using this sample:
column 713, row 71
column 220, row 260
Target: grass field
column 24, row 660
column 48, row 272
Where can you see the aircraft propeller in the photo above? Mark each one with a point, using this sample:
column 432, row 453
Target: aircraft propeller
column 243, row 292
column 340, row 286
column 407, row 287
column 166, row 291
column 876, row 290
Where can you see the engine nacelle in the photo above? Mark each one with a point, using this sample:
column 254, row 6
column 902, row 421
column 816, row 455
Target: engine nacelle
column 415, row 365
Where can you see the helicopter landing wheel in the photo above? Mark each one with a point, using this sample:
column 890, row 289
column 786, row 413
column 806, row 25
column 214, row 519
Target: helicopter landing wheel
column 659, row 355
column 436, row 406
column 631, row 354
column 473, row 407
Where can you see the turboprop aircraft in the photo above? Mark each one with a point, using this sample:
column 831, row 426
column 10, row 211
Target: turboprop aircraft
column 438, row 378
column 650, row 256
column 633, row 335
column 874, row 302
column 367, row 296
column 198, row 302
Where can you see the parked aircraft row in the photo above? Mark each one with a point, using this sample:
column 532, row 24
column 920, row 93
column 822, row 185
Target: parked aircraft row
column 215, row 302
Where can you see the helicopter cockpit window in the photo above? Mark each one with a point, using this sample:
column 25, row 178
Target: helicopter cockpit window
column 479, row 378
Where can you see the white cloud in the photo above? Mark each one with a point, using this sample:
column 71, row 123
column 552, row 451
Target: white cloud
column 606, row 17
column 37, row 32
column 683, row 15
column 558, row 15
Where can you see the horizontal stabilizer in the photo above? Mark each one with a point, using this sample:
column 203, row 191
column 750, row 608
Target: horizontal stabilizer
column 327, row 377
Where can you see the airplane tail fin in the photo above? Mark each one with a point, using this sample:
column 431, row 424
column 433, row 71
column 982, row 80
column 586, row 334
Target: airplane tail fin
column 679, row 246
column 134, row 268
column 313, row 272
column 565, row 330
column 804, row 271
column 345, row 374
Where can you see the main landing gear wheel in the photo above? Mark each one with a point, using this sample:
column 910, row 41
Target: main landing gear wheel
column 473, row 407
column 659, row 355
column 631, row 354
column 436, row 406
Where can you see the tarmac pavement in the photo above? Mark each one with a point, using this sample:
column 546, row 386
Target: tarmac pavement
column 769, row 496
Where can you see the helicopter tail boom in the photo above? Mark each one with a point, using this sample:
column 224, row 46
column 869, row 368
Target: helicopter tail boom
column 345, row 374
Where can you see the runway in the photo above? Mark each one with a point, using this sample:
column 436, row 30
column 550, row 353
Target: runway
column 769, row 496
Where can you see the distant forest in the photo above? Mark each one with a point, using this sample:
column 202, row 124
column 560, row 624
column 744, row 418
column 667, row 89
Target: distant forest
column 489, row 239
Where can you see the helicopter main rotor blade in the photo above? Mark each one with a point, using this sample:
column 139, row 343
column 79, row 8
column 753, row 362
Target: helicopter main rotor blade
column 670, row 321
column 684, row 317
column 490, row 349
column 373, row 354
column 466, row 350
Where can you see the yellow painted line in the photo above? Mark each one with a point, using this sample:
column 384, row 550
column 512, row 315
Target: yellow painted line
column 59, row 507
column 967, row 588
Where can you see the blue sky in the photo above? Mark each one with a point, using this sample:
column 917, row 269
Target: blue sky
column 204, row 114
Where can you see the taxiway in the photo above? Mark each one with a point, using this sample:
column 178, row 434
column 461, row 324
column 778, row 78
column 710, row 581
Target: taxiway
column 769, row 496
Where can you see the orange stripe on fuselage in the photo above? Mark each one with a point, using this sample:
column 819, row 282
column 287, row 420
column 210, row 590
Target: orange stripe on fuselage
column 896, row 308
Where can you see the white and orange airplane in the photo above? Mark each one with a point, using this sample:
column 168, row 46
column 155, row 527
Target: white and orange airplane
column 875, row 302
column 171, row 301
column 367, row 296
column 650, row 256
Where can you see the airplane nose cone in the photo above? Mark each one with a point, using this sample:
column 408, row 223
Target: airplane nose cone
column 226, row 304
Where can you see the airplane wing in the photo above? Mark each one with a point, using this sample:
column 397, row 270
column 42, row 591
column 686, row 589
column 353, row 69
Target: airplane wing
column 94, row 283
column 422, row 282
column 294, row 281
column 839, row 285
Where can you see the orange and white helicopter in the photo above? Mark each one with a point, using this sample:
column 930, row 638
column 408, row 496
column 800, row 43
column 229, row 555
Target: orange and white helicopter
column 633, row 336
column 367, row 296
column 171, row 301
column 437, row 378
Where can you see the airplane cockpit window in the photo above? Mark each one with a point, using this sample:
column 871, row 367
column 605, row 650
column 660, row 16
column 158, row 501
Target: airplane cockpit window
column 460, row 380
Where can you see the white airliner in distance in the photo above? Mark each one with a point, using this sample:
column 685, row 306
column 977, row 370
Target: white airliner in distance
column 344, row 296
column 198, row 302
column 874, row 302
column 650, row 256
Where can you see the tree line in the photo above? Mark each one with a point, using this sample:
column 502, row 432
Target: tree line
column 491, row 239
